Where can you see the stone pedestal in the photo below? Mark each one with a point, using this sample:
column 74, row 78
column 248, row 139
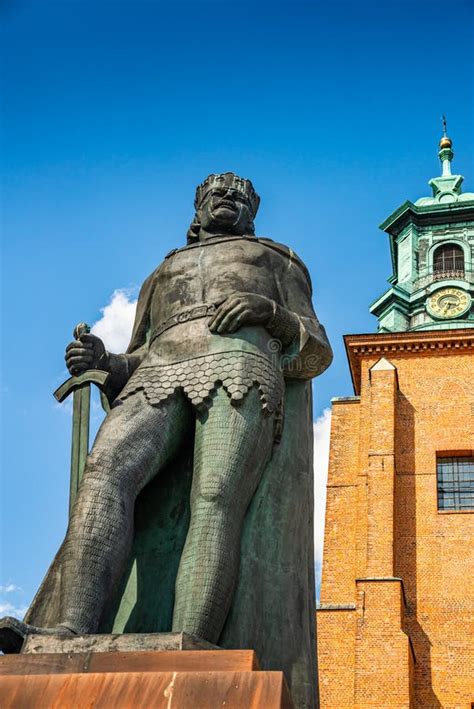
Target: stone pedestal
column 151, row 670
column 126, row 642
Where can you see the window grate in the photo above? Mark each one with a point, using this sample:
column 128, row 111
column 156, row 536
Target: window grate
column 455, row 483
column 448, row 261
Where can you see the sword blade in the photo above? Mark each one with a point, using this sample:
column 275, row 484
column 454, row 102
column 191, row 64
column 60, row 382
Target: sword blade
column 80, row 439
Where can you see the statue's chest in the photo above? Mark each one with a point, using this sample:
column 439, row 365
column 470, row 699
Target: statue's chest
column 208, row 274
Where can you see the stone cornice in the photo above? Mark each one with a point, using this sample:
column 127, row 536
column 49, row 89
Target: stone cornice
column 427, row 342
column 443, row 213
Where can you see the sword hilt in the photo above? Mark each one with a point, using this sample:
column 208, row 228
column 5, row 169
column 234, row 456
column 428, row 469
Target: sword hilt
column 80, row 386
column 90, row 376
column 81, row 328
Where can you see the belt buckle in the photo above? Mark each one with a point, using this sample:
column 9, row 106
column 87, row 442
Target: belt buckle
column 184, row 317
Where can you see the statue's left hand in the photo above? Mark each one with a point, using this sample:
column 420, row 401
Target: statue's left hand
column 241, row 309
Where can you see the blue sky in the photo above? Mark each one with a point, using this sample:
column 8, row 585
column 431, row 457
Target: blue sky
column 112, row 112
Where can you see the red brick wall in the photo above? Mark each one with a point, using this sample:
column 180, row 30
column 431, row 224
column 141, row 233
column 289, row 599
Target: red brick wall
column 382, row 521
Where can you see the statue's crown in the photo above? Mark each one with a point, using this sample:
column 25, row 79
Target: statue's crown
column 228, row 179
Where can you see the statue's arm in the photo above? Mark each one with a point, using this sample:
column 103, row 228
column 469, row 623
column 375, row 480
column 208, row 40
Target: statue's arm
column 122, row 366
column 307, row 351
column 292, row 321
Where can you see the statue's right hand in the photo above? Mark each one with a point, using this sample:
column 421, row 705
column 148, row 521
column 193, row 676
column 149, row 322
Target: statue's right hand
column 88, row 352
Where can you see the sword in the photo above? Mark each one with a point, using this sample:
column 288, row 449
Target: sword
column 81, row 387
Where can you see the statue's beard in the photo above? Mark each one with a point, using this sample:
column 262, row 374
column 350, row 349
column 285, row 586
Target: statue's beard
column 224, row 220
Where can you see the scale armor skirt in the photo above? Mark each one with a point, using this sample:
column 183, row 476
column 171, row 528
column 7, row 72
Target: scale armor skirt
column 199, row 377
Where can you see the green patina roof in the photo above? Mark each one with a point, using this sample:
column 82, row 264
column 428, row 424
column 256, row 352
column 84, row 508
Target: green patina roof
column 406, row 305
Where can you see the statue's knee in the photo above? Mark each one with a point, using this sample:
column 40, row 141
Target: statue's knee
column 105, row 475
column 214, row 492
column 216, row 499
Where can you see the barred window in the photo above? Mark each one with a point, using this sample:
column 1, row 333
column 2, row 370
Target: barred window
column 456, row 483
column 449, row 259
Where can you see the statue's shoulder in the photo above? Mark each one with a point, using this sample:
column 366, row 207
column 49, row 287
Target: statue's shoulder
column 287, row 252
column 149, row 283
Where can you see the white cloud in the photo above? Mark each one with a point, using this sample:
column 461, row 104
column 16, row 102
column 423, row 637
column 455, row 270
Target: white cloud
column 321, row 430
column 9, row 588
column 15, row 611
column 15, row 604
column 115, row 325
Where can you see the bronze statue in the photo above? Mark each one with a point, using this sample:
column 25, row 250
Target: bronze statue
column 223, row 328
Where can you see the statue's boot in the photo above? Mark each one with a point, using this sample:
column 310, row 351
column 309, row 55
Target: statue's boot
column 13, row 633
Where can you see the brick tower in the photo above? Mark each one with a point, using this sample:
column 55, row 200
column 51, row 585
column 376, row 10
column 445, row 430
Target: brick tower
column 396, row 618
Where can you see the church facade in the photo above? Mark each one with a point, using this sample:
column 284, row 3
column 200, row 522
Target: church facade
column 396, row 617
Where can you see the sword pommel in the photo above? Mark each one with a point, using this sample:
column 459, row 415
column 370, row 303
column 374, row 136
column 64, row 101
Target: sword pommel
column 81, row 328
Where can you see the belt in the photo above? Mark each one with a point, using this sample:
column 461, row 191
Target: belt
column 200, row 311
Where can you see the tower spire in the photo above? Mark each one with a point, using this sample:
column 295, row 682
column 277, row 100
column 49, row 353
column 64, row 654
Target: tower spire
column 446, row 187
column 446, row 153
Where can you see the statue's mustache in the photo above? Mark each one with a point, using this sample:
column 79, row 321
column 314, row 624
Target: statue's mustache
column 235, row 207
column 226, row 203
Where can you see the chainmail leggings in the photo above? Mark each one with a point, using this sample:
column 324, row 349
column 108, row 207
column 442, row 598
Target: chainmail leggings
column 134, row 443
column 232, row 445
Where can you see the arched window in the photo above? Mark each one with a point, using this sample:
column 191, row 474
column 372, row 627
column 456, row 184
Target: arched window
column 448, row 261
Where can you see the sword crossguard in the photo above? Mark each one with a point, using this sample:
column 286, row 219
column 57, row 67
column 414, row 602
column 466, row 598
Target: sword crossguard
column 91, row 376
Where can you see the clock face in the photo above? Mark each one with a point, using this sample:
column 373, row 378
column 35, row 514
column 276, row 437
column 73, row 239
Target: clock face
column 448, row 303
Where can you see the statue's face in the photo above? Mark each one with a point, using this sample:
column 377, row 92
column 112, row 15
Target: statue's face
column 225, row 210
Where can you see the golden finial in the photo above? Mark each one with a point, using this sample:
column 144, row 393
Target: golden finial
column 445, row 142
